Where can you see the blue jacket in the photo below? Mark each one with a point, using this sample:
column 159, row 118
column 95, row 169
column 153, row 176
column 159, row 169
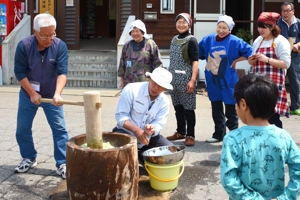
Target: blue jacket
column 41, row 66
column 219, row 76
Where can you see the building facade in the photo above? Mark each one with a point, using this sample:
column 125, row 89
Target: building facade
column 81, row 19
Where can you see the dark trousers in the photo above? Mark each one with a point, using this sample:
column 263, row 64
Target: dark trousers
column 294, row 88
column 275, row 119
column 186, row 121
column 220, row 120
column 156, row 141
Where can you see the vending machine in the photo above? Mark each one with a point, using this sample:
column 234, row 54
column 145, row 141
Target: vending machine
column 10, row 16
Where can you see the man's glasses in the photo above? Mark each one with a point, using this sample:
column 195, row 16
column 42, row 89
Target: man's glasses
column 286, row 11
column 47, row 37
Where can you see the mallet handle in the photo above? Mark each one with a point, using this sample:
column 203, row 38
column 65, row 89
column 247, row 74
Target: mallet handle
column 78, row 103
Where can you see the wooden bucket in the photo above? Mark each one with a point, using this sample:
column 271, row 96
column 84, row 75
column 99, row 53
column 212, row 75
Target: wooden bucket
column 103, row 173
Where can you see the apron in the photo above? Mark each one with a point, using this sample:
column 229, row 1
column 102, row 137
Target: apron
column 275, row 74
column 182, row 73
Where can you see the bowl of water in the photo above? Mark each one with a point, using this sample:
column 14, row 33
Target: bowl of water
column 165, row 154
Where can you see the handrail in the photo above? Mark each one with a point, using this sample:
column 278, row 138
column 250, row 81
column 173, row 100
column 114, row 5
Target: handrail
column 123, row 39
column 22, row 30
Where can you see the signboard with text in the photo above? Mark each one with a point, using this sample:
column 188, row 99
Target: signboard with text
column 47, row 6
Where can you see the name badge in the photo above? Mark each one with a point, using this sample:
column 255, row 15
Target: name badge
column 128, row 63
column 35, row 85
column 179, row 72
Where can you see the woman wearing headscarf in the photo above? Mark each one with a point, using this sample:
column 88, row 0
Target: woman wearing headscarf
column 184, row 68
column 271, row 56
column 139, row 55
column 222, row 51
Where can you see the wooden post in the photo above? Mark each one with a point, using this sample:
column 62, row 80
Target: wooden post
column 93, row 119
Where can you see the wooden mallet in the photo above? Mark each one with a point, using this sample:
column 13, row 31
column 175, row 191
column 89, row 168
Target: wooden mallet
column 92, row 111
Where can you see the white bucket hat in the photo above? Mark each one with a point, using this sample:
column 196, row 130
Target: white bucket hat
column 140, row 25
column 162, row 77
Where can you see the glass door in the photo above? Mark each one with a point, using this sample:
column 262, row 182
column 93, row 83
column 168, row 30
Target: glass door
column 211, row 9
column 206, row 14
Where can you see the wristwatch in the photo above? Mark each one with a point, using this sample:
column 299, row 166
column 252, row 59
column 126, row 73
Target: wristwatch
column 267, row 61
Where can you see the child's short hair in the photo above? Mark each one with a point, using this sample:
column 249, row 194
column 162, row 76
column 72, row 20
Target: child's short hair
column 260, row 94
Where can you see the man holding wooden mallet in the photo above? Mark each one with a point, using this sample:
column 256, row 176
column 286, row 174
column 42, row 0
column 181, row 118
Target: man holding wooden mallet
column 41, row 67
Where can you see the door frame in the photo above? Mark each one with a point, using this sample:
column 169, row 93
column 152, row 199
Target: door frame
column 65, row 30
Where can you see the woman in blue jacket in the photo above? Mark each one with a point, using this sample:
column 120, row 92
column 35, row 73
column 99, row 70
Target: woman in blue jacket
column 222, row 51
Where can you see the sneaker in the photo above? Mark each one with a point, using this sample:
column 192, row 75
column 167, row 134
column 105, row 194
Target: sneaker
column 25, row 165
column 295, row 112
column 176, row 136
column 213, row 140
column 61, row 170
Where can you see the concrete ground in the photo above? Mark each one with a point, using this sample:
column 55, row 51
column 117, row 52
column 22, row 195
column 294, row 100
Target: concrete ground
column 200, row 180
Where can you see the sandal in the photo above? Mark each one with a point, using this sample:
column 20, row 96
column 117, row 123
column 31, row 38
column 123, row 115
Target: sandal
column 295, row 112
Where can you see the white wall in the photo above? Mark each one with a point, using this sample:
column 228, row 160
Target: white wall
column 22, row 30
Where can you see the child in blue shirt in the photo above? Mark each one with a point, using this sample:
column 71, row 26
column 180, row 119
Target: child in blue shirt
column 254, row 156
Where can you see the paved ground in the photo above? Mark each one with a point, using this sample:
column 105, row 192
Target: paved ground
column 201, row 178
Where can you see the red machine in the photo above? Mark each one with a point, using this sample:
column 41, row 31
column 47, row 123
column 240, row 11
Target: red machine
column 10, row 16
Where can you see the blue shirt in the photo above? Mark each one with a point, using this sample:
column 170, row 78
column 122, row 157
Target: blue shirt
column 253, row 164
column 135, row 105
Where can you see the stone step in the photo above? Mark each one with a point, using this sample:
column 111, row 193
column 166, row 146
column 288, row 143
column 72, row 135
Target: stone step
column 100, row 83
column 92, row 56
column 88, row 75
column 92, row 66
column 92, row 69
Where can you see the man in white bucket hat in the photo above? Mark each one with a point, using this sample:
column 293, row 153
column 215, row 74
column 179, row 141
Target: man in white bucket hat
column 143, row 110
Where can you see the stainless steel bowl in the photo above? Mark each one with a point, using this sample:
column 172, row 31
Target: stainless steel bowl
column 164, row 154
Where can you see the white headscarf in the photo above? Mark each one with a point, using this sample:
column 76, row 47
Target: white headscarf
column 140, row 25
column 228, row 20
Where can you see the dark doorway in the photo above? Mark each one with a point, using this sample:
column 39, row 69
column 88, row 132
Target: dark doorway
column 240, row 11
column 97, row 24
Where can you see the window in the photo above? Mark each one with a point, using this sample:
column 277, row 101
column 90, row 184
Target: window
column 167, row 6
column 69, row 3
column 211, row 6
column 35, row 6
column 279, row 1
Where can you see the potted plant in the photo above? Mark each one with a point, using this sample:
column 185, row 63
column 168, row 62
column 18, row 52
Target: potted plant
column 245, row 34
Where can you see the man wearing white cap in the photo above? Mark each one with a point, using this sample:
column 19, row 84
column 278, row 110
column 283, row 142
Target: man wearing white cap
column 222, row 51
column 139, row 55
column 143, row 110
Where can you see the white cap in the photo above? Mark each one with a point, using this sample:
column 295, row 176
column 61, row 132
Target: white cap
column 140, row 25
column 162, row 77
column 228, row 20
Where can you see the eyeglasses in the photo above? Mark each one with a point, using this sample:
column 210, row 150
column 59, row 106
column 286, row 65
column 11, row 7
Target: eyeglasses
column 286, row 11
column 47, row 37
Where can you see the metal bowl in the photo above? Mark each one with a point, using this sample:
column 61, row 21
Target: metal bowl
column 164, row 154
